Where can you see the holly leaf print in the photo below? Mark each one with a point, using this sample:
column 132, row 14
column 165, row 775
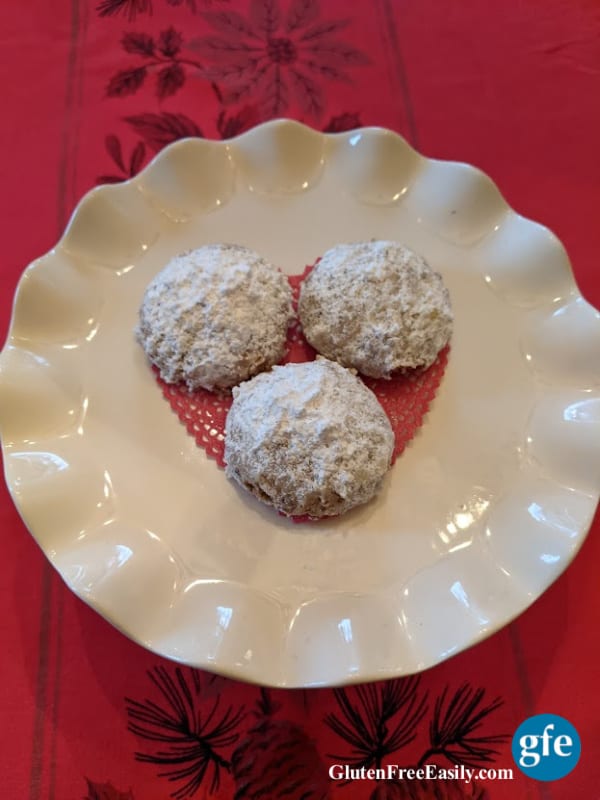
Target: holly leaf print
column 301, row 13
column 169, row 80
column 115, row 151
column 130, row 8
column 138, row 43
column 235, row 124
column 265, row 15
column 343, row 122
column 137, row 158
column 169, row 42
column 110, row 179
column 126, row 82
column 159, row 130
column 113, row 147
column 105, row 791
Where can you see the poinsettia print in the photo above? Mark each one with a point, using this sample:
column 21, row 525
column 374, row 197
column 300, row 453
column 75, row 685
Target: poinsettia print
column 282, row 54
column 160, row 57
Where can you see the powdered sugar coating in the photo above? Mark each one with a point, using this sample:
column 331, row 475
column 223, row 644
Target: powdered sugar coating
column 308, row 438
column 375, row 306
column 215, row 316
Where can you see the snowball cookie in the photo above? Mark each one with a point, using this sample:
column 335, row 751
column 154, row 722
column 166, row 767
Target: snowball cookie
column 308, row 438
column 375, row 306
column 215, row 316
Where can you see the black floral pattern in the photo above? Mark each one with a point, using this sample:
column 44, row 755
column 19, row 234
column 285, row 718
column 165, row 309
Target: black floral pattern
column 131, row 8
column 230, row 125
column 282, row 55
column 160, row 56
column 277, row 759
column 276, row 56
column 197, row 739
column 376, row 721
column 343, row 122
column 127, row 168
column 455, row 730
column 160, row 129
column 185, row 733
column 157, row 130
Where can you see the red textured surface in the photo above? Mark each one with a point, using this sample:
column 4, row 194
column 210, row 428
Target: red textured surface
column 203, row 413
column 91, row 90
column 405, row 398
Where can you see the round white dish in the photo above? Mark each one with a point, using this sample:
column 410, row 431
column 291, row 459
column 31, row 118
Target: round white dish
column 486, row 507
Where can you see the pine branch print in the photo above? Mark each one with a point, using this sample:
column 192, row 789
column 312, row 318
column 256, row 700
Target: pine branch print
column 377, row 720
column 455, row 730
column 186, row 737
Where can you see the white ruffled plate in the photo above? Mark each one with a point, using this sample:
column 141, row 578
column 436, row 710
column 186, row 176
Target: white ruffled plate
column 487, row 506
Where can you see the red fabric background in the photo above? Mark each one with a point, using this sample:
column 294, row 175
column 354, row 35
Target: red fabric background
column 513, row 90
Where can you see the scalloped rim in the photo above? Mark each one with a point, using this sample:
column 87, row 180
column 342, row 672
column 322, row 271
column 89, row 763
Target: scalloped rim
column 466, row 209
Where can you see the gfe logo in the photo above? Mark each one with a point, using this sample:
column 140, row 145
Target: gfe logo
column 546, row 747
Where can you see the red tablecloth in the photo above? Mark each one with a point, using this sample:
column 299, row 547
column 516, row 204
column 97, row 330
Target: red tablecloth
column 91, row 90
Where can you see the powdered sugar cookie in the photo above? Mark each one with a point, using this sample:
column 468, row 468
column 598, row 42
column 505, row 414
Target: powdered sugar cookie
column 375, row 306
column 308, row 438
column 215, row 316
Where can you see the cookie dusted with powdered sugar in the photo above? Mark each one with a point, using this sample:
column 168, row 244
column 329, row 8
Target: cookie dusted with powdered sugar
column 308, row 438
column 375, row 306
column 215, row 316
